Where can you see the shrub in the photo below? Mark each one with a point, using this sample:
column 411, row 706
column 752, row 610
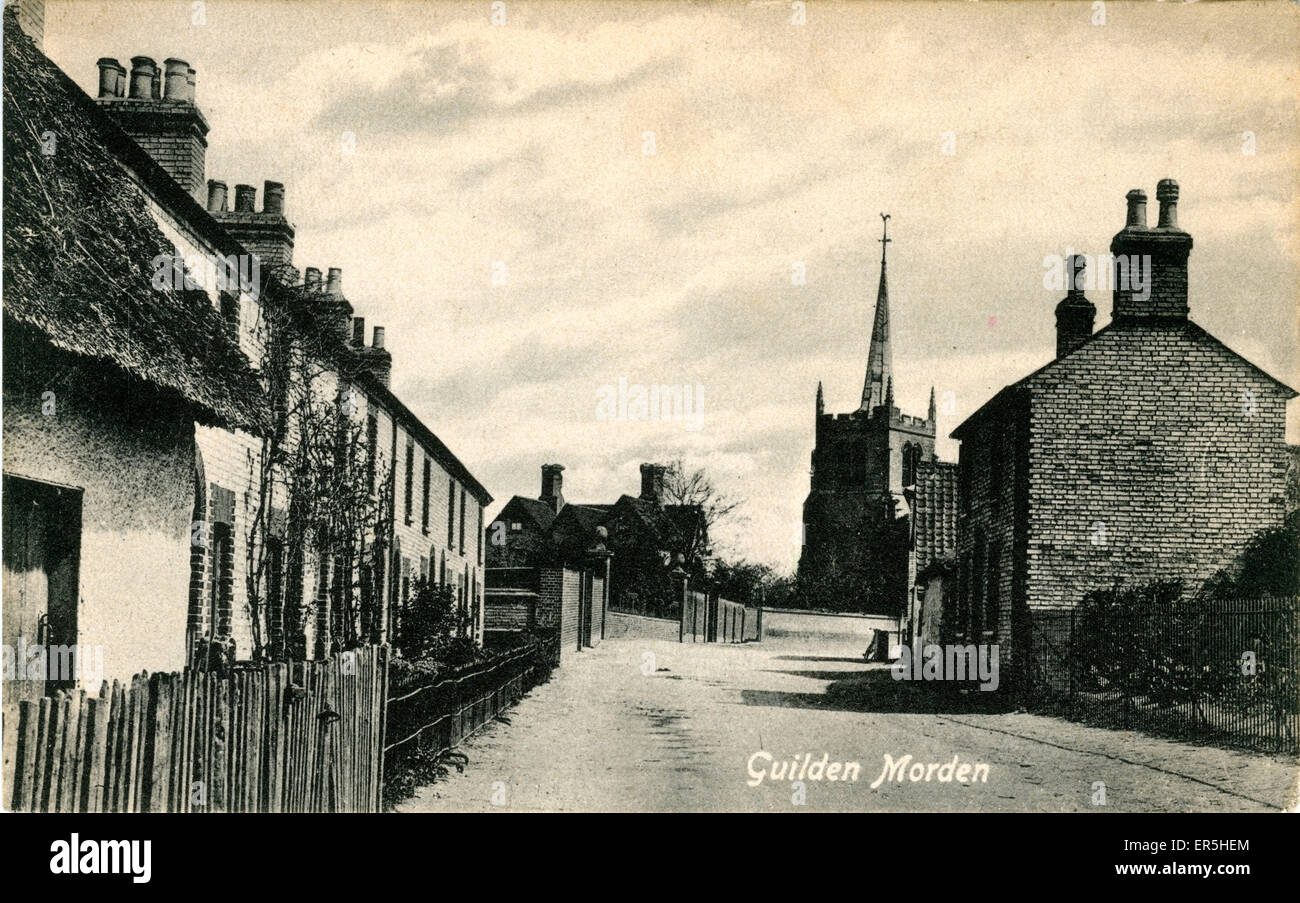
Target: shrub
column 433, row 627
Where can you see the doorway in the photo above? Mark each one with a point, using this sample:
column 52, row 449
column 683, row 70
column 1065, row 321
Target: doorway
column 42, row 557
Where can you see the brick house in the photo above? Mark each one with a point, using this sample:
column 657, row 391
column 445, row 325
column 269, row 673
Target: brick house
column 643, row 534
column 520, row 534
column 1148, row 449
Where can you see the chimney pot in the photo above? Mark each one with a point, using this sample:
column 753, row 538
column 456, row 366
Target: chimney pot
column 359, row 332
column 334, row 283
column 245, row 199
column 1167, row 195
column 1076, row 266
column 273, row 198
column 311, row 278
column 143, row 69
column 1137, row 209
column 110, row 74
column 178, row 80
column 379, row 338
column 216, row 196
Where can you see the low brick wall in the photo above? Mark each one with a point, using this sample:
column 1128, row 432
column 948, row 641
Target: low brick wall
column 622, row 624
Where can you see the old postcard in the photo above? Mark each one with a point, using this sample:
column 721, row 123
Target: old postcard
column 651, row 407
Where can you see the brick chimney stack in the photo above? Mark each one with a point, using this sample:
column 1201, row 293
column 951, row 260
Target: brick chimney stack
column 1075, row 314
column 155, row 106
column 553, row 486
column 266, row 233
column 652, row 483
column 1150, row 269
column 375, row 358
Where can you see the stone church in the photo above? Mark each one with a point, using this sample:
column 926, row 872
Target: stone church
column 857, row 527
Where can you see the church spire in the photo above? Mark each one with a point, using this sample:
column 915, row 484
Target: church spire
column 933, row 409
column 879, row 361
column 821, row 404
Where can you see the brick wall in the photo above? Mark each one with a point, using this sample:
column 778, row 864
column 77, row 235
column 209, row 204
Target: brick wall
column 1155, row 453
column 1150, row 452
column 991, row 480
column 508, row 611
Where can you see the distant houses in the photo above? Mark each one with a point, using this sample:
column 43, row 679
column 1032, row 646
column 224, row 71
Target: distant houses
column 204, row 460
column 646, row 535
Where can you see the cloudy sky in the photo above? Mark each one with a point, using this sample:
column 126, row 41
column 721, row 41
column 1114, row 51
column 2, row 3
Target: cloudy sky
column 585, row 194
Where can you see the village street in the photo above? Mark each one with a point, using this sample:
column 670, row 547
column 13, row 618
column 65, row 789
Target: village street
column 604, row 735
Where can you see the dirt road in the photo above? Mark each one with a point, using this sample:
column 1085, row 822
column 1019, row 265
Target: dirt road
column 648, row 725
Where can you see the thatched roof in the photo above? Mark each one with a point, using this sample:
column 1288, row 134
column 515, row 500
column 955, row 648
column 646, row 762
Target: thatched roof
column 79, row 246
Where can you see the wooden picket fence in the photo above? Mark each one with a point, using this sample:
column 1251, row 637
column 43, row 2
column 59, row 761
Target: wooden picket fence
column 298, row 737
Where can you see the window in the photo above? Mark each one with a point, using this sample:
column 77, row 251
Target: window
column 406, row 582
column 993, row 597
column 465, row 601
column 410, row 479
column 911, row 463
column 979, row 580
column 451, row 513
column 516, row 526
column 372, row 449
column 424, row 508
column 462, row 520
column 275, row 591
column 995, row 480
column 222, row 567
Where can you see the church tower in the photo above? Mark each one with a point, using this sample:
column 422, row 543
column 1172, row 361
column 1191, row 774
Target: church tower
column 855, row 537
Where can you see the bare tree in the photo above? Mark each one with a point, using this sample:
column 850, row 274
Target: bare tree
column 693, row 489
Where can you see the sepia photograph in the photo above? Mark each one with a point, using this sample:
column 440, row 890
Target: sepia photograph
column 434, row 408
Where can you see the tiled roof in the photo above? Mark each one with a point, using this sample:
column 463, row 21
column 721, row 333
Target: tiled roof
column 935, row 512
